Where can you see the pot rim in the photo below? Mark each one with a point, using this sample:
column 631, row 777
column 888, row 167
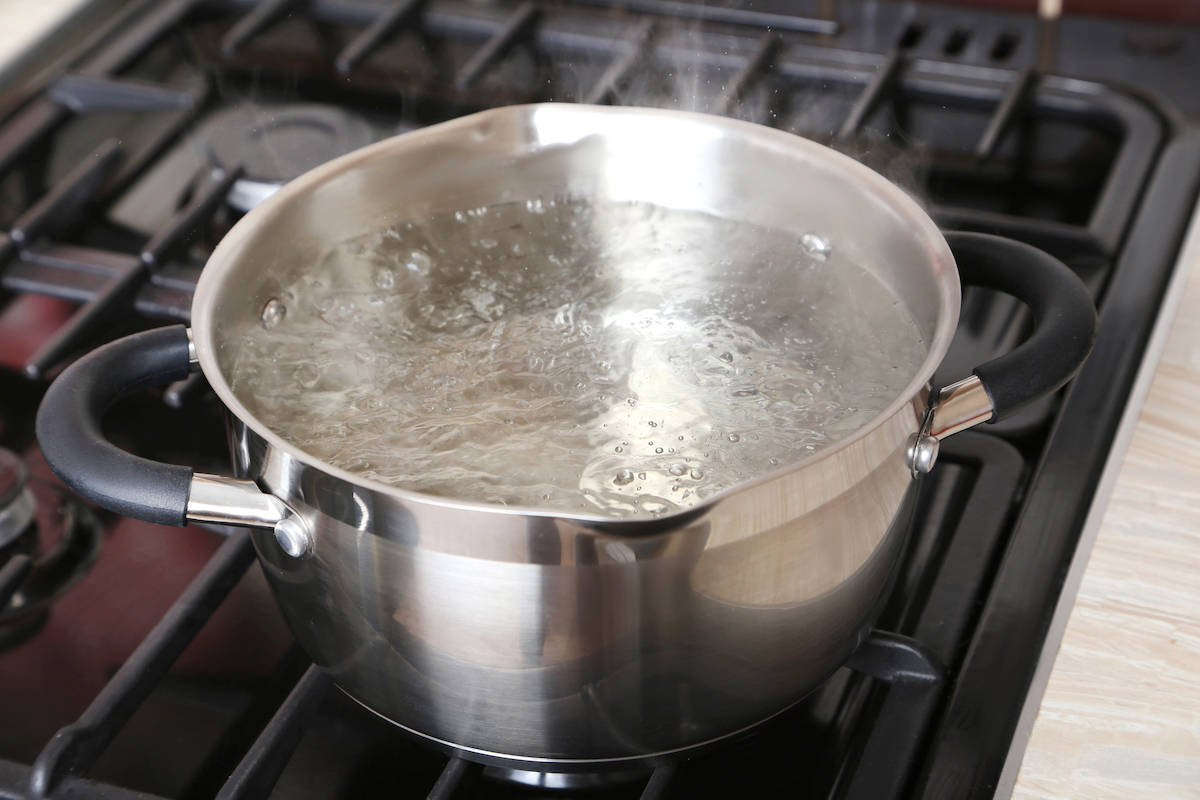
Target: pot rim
column 904, row 205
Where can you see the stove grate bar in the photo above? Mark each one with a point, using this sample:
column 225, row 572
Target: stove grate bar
column 758, row 61
column 110, row 304
column 385, row 26
column 42, row 117
column 96, row 94
column 12, row 575
column 660, row 781
column 915, row 676
column 634, row 50
column 180, row 392
column 53, row 280
column 261, row 767
column 183, row 228
column 1056, row 238
column 721, row 14
column 1012, row 106
column 517, row 27
column 456, row 779
column 73, row 750
column 13, row 777
column 263, row 16
column 30, row 127
column 876, row 92
column 63, row 205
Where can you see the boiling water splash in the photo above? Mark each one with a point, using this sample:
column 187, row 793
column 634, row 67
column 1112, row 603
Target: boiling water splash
column 593, row 357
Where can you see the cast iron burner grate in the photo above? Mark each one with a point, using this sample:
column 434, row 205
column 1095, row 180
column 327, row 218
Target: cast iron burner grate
column 960, row 522
column 1055, row 162
column 1097, row 176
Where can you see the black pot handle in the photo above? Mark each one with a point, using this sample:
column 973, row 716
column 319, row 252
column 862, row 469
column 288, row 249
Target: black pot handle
column 1063, row 313
column 68, row 427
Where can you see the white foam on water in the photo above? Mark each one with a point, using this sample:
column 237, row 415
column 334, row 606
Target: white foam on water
column 614, row 358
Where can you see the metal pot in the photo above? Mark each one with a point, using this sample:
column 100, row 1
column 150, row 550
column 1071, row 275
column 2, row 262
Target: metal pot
column 541, row 639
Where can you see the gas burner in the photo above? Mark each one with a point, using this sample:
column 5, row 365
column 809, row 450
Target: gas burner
column 48, row 541
column 275, row 144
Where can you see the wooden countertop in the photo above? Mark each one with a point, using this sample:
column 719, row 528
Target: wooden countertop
column 1121, row 714
column 23, row 22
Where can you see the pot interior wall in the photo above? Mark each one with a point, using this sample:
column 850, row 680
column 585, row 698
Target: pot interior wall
column 723, row 167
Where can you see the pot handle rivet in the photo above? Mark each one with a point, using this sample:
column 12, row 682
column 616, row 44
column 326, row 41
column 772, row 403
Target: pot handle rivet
column 293, row 537
column 922, row 452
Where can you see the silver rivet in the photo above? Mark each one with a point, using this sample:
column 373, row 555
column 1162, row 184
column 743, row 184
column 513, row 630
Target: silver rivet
column 922, row 452
column 293, row 537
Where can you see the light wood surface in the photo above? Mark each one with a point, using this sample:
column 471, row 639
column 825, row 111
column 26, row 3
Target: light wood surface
column 1121, row 714
column 23, row 22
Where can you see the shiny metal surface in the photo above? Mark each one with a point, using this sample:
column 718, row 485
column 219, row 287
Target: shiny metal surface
column 233, row 501
column 960, row 406
column 546, row 639
column 193, row 358
column 543, row 641
column 922, row 450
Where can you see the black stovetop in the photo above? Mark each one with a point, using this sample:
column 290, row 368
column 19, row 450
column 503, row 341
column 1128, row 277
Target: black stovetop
column 122, row 166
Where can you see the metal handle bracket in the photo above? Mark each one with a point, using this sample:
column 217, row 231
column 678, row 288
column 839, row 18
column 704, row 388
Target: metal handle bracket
column 236, row 501
column 959, row 406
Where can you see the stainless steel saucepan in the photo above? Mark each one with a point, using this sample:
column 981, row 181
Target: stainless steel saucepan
column 549, row 640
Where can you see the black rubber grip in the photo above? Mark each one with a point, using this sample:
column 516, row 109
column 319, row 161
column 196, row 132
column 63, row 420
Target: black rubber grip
column 1064, row 318
column 68, row 427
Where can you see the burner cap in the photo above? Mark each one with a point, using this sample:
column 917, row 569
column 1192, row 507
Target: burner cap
column 278, row 143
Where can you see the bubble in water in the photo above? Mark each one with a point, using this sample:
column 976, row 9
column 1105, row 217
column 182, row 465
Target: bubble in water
column 409, row 381
column 307, row 375
column 273, row 313
column 816, row 246
column 418, row 261
column 384, row 278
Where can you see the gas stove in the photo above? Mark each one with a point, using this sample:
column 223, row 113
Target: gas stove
column 138, row 662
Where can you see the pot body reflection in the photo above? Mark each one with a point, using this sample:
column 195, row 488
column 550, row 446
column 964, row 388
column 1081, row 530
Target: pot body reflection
column 534, row 639
column 530, row 636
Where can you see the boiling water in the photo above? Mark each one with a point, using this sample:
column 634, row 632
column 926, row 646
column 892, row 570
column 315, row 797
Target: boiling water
column 621, row 359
